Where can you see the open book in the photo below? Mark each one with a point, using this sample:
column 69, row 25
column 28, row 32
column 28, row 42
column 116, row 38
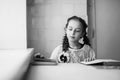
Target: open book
column 103, row 62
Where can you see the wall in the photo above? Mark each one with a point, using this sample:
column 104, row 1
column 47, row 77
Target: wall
column 13, row 24
column 46, row 20
column 91, row 12
column 108, row 28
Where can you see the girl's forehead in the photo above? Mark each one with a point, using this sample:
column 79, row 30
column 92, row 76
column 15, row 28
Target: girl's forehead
column 75, row 23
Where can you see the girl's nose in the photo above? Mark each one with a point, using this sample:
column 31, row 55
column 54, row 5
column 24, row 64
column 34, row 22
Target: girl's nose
column 73, row 32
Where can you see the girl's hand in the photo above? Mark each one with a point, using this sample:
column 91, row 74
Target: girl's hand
column 88, row 59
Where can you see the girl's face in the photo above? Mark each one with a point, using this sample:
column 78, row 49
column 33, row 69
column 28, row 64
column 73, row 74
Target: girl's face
column 74, row 30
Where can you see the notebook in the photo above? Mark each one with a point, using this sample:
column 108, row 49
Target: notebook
column 39, row 61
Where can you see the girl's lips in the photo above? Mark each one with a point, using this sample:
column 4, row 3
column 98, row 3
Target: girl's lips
column 72, row 36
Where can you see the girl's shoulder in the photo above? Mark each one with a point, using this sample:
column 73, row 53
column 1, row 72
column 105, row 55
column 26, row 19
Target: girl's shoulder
column 59, row 48
column 56, row 51
column 87, row 47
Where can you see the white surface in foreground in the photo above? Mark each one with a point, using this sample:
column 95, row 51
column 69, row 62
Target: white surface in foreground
column 72, row 71
column 14, row 63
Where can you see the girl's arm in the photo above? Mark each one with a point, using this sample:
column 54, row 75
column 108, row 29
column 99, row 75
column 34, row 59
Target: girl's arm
column 91, row 54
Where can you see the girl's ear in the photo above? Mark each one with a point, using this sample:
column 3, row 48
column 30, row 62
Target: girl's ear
column 65, row 29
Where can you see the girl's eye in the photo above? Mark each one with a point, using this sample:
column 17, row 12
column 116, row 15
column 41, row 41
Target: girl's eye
column 77, row 30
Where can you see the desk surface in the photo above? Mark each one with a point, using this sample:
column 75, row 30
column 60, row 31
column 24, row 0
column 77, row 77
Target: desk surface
column 72, row 71
column 14, row 63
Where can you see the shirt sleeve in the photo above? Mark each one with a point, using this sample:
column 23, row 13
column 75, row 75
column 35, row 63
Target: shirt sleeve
column 90, row 54
column 55, row 52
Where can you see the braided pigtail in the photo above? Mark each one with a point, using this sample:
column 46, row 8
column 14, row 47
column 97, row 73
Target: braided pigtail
column 65, row 44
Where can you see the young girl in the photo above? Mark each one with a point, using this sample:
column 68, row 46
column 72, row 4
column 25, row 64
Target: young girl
column 76, row 47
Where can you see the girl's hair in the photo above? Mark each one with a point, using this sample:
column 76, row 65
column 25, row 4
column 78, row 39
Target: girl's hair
column 65, row 44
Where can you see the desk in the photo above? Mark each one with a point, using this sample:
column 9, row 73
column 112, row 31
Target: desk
column 72, row 71
column 14, row 63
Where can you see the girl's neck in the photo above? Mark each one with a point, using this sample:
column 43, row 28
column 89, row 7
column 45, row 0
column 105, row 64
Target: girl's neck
column 75, row 45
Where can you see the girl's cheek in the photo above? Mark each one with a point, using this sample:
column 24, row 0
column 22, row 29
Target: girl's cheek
column 79, row 35
column 68, row 33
